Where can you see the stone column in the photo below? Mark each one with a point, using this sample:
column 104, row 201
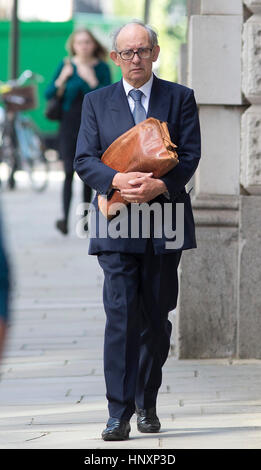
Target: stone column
column 208, row 303
column 249, row 315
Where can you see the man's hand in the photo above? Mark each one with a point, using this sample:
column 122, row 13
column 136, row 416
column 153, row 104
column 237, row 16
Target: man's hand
column 143, row 188
column 121, row 180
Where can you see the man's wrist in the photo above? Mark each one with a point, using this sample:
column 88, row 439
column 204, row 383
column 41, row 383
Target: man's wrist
column 114, row 184
column 162, row 186
column 164, row 189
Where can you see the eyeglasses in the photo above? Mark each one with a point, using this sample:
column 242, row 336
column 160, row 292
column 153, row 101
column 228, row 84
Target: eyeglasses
column 142, row 52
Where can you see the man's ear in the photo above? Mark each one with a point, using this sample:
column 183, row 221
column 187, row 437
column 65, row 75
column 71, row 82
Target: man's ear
column 114, row 56
column 155, row 53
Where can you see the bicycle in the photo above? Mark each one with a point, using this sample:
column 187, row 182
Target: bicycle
column 21, row 145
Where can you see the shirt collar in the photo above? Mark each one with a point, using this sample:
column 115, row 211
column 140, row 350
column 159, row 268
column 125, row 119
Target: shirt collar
column 146, row 88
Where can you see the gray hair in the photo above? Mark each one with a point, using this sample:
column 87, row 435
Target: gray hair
column 152, row 34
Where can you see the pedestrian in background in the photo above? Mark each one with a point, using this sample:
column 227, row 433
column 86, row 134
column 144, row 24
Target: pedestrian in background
column 85, row 71
column 4, row 291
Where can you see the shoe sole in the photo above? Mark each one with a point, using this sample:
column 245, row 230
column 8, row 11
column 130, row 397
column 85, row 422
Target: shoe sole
column 111, row 438
column 148, row 430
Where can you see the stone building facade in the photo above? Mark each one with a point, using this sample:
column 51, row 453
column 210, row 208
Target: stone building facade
column 219, row 311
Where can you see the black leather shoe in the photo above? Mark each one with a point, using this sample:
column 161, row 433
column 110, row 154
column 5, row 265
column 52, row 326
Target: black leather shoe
column 116, row 430
column 147, row 420
column 62, row 226
column 11, row 181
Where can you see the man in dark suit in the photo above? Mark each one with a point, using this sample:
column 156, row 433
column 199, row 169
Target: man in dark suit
column 140, row 273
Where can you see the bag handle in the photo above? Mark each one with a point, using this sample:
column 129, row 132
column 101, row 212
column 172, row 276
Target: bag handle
column 170, row 146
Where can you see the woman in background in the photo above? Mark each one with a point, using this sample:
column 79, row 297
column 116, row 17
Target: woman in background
column 85, row 71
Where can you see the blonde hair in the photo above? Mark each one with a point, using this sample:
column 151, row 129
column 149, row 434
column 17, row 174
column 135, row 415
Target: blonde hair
column 100, row 52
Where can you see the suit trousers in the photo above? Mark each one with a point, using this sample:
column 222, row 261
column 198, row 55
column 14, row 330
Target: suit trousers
column 139, row 291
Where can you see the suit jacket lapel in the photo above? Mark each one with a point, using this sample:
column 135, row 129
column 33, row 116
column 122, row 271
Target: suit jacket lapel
column 120, row 111
column 159, row 103
column 122, row 117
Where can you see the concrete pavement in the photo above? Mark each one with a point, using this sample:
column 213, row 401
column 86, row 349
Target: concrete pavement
column 52, row 390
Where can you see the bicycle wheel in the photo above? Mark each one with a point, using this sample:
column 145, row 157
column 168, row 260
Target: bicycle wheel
column 32, row 153
column 37, row 168
column 9, row 156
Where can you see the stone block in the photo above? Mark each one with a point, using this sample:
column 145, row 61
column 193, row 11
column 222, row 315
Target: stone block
column 193, row 7
column 218, row 171
column 183, row 64
column 250, row 169
column 214, row 58
column 221, row 7
column 207, row 309
column 249, row 345
column 253, row 5
column 251, row 59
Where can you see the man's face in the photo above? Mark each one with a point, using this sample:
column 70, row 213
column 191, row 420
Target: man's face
column 136, row 71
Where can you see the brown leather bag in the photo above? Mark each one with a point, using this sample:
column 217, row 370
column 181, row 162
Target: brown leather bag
column 146, row 147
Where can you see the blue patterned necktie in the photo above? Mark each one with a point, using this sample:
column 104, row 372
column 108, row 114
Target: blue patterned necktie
column 139, row 113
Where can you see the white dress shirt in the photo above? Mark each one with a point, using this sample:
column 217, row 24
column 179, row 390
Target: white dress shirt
column 146, row 90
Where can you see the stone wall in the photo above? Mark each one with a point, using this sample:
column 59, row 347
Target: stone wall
column 219, row 303
column 249, row 311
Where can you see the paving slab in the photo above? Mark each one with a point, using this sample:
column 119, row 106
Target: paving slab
column 52, row 388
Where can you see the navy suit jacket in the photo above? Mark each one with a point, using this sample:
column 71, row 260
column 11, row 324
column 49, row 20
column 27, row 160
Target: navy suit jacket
column 105, row 116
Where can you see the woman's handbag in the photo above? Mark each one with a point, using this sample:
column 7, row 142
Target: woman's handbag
column 146, row 147
column 53, row 110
